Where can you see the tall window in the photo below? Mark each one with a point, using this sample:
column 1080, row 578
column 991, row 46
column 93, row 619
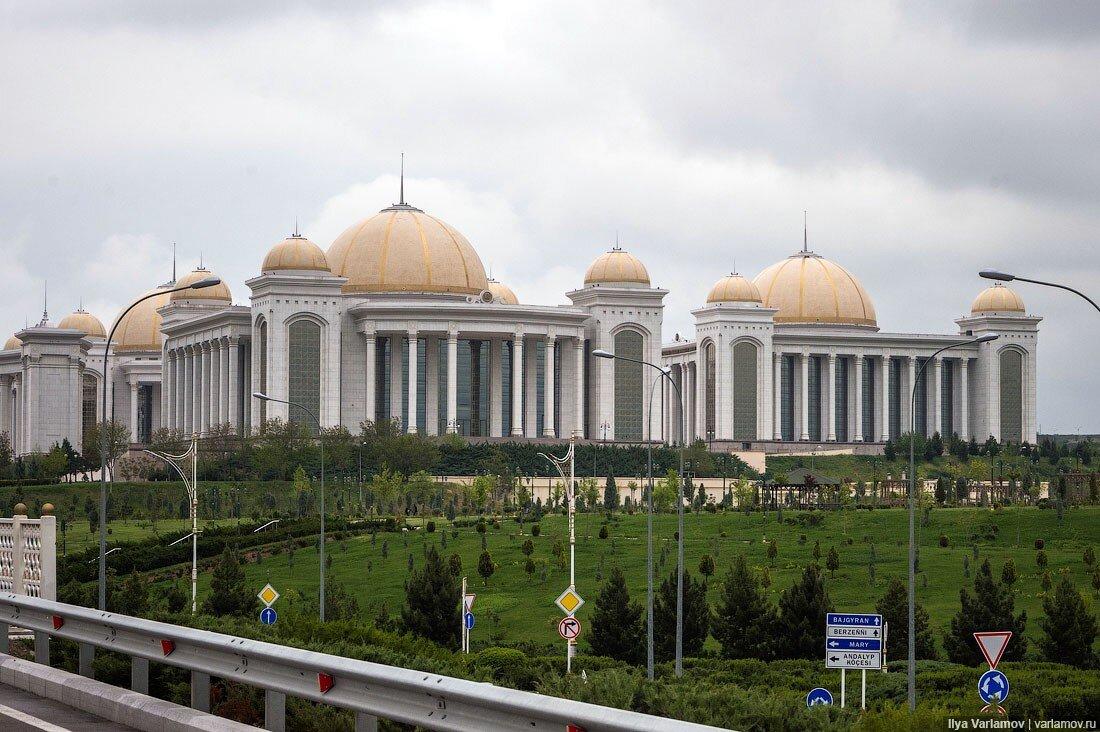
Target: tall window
column 813, row 390
column 628, row 386
column 263, row 370
column 1012, row 380
column 921, row 400
column 868, row 415
column 947, row 404
column 840, row 385
column 505, row 377
column 786, row 393
column 304, row 370
column 382, row 380
column 895, row 398
column 744, row 391
column 144, row 427
column 88, row 403
column 710, row 386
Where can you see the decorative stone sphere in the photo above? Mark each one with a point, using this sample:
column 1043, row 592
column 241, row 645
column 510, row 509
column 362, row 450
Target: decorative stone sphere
column 47, row 509
column 20, row 509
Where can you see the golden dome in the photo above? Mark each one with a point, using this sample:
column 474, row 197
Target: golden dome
column 734, row 288
column 139, row 329
column 616, row 267
column 12, row 344
column 502, row 293
column 997, row 299
column 403, row 249
column 219, row 291
column 295, row 253
column 85, row 322
column 807, row 288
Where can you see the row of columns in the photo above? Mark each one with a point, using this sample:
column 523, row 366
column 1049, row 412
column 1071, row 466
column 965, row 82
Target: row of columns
column 203, row 382
column 11, row 411
column 523, row 376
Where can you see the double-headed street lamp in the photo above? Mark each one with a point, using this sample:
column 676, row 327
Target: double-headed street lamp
column 991, row 274
column 201, row 284
column 679, row 665
column 321, row 439
column 912, row 671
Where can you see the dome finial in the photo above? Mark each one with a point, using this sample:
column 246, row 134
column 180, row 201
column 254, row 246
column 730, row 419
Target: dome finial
column 45, row 315
column 173, row 263
column 296, row 234
column 805, row 234
column 401, row 202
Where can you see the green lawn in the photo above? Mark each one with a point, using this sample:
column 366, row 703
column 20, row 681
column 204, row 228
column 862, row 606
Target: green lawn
column 526, row 605
column 77, row 537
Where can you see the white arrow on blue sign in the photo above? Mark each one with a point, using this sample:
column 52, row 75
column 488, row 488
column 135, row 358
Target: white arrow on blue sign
column 469, row 618
column 855, row 644
column 857, row 619
column 268, row 616
column 818, row 697
column 993, row 687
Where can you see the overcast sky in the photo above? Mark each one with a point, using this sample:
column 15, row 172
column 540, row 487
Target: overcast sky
column 926, row 140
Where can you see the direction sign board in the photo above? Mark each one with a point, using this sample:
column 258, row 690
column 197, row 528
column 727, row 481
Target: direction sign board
column 818, row 697
column 993, row 687
column 268, row 616
column 469, row 601
column 468, row 618
column 853, row 640
column 268, row 595
column 993, row 644
column 569, row 627
column 569, row 601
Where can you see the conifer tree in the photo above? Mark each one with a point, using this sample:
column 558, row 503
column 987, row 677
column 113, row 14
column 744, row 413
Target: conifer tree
column 744, row 621
column 1069, row 627
column 610, row 495
column 991, row 607
column 894, row 609
column 802, row 609
column 696, row 617
column 616, row 626
column 486, row 566
column 229, row 595
column 431, row 601
column 832, row 562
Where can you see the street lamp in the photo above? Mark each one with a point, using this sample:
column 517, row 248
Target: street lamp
column 665, row 373
column 912, row 672
column 201, row 284
column 321, row 439
column 991, row 274
column 192, row 488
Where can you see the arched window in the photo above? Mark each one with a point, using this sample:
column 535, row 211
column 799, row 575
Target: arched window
column 710, row 387
column 304, row 370
column 1012, row 381
column 89, row 390
column 628, row 386
column 744, row 391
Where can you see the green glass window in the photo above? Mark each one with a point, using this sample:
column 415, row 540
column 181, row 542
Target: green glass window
column 744, row 391
column 628, row 386
column 304, row 370
column 1012, row 379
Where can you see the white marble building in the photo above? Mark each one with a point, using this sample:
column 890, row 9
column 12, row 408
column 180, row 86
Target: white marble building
column 398, row 320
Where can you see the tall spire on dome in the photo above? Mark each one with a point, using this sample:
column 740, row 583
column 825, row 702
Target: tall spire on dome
column 401, row 201
column 45, row 315
column 805, row 234
column 173, row 263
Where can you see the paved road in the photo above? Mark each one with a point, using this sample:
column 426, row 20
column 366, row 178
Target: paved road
column 21, row 711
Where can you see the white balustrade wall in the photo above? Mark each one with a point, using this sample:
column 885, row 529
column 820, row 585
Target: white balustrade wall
column 28, row 556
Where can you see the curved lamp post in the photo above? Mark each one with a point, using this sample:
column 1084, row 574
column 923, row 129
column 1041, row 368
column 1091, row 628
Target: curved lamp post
column 201, row 284
column 991, row 274
column 912, row 670
column 321, row 439
column 665, row 373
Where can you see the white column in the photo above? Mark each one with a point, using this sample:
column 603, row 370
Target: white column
column 964, row 398
column 517, row 385
column 225, row 375
column 578, row 426
column 777, row 395
column 856, row 431
column 431, row 385
column 830, row 412
column 370, row 371
column 413, row 357
column 452, row 381
column 548, row 391
column 165, row 388
column 804, row 397
column 699, row 384
column 937, row 397
column 192, row 389
column 396, row 377
column 884, row 398
column 215, row 387
column 204, row 389
column 232, row 388
column 496, row 388
column 133, row 411
column 907, row 395
column 531, row 385
column 246, row 401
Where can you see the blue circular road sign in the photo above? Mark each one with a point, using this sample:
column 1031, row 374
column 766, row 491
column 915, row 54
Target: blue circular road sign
column 818, row 696
column 268, row 616
column 993, row 687
column 469, row 618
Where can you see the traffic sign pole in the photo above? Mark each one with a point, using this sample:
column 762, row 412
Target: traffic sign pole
column 842, row 687
column 863, row 689
column 462, row 617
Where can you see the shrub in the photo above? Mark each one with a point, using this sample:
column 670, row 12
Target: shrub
column 943, row 540
column 431, row 527
column 1040, row 544
column 1041, row 559
column 603, row 531
column 536, row 529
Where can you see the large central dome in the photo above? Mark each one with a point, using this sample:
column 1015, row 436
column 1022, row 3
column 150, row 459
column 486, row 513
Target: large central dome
column 403, row 249
column 807, row 288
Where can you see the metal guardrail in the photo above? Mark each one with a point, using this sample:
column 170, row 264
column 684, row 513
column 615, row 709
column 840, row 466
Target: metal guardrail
column 372, row 690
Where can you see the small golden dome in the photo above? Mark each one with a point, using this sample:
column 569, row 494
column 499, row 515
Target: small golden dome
column 997, row 299
column 20, row 509
column 734, row 288
column 47, row 509
column 502, row 293
column 807, row 288
column 13, row 344
column 403, row 249
column 219, row 291
column 617, row 267
column 85, row 322
column 295, row 253
column 139, row 330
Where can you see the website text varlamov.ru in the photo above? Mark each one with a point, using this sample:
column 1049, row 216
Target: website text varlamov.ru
column 976, row 723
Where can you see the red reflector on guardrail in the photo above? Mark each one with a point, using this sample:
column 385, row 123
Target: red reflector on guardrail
column 167, row 646
column 574, row 728
column 325, row 682
column 58, row 621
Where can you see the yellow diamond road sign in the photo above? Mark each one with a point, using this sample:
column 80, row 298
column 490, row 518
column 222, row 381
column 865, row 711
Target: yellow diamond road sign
column 268, row 595
column 569, row 601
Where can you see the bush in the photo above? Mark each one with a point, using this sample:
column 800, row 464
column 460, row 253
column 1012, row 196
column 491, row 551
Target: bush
column 536, row 529
column 431, row 527
column 1040, row 544
column 508, row 666
column 943, row 540
column 603, row 532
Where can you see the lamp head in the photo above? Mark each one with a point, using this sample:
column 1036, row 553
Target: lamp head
column 206, row 282
column 987, row 338
column 992, row 274
column 601, row 353
column 261, row 396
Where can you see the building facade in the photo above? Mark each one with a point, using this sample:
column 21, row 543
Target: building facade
column 397, row 320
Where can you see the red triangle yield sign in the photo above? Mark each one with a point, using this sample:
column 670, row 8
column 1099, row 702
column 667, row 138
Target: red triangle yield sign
column 993, row 645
